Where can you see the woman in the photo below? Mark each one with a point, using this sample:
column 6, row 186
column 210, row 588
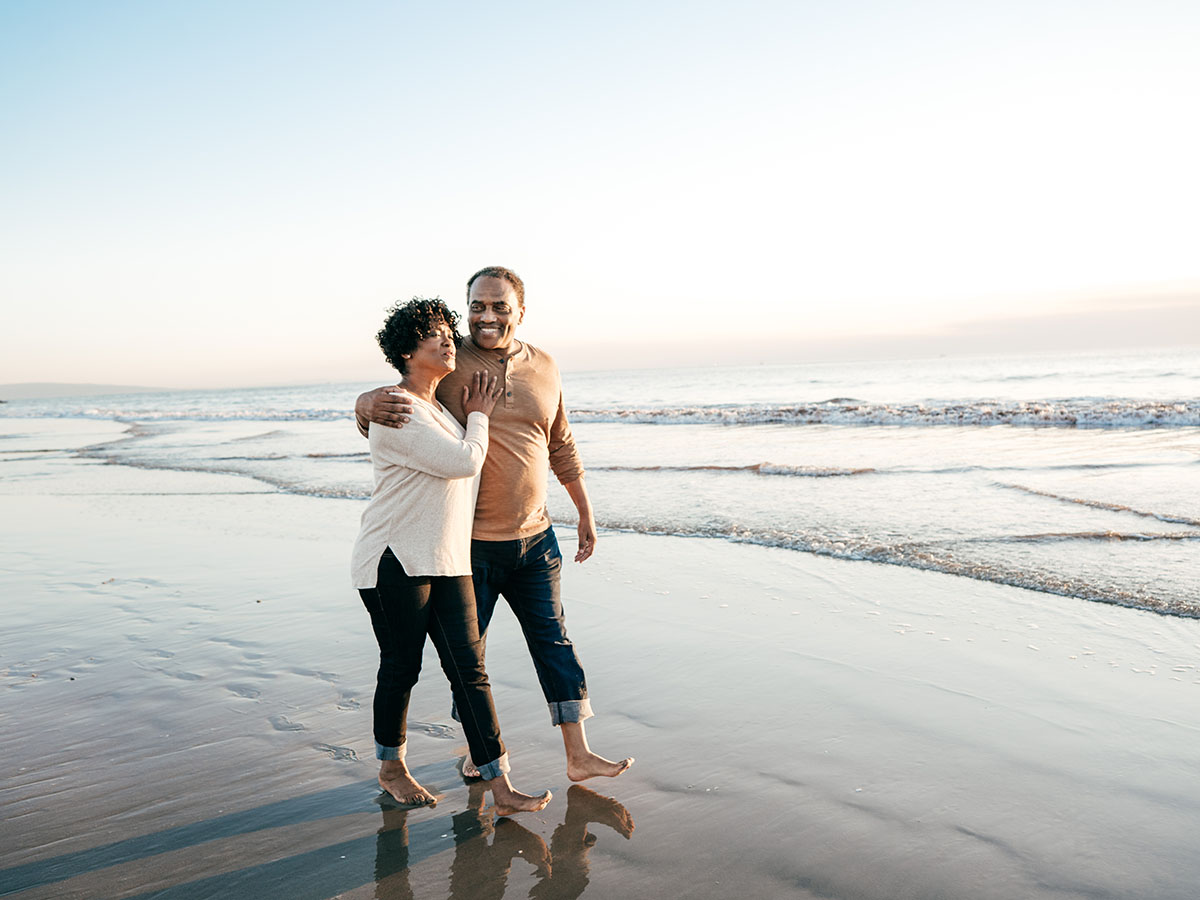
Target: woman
column 412, row 560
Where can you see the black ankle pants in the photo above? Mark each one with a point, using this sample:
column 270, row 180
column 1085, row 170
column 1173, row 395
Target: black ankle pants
column 404, row 609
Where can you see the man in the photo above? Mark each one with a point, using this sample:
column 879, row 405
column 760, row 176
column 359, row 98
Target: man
column 514, row 552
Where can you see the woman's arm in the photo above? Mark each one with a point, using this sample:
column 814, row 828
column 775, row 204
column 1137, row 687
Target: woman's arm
column 425, row 445
column 430, row 448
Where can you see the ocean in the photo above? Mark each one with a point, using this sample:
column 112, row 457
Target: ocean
column 1075, row 476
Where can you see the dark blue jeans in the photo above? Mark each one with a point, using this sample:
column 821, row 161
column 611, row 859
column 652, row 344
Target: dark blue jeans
column 526, row 573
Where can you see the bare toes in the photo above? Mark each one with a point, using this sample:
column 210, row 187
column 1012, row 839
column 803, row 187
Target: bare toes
column 523, row 803
column 598, row 767
column 416, row 799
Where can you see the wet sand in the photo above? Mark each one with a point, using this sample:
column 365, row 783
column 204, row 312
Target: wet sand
column 185, row 687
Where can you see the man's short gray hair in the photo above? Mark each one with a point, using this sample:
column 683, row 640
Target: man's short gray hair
column 500, row 272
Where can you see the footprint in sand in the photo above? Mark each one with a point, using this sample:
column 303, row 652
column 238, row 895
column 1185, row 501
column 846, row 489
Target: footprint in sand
column 346, row 701
column 136, row 615
column 243, row 690
column 232, row 642
column 445, row 732
column 337, row 752
column 282, row 723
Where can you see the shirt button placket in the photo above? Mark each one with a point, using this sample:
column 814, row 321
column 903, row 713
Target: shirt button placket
column 508, row 393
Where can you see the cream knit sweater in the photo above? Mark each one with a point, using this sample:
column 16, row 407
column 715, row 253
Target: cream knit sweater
column 426, row 482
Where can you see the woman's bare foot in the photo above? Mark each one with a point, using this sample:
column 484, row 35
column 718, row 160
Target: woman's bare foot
column 582, row 763
column 509, row 800
column 468, row 769
column 395, row 778
column 589, row 765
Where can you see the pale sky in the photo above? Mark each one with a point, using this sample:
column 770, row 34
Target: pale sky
column 222, row 193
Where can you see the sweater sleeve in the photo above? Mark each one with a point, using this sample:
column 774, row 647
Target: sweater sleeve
column 564, row 459
column 425, row 445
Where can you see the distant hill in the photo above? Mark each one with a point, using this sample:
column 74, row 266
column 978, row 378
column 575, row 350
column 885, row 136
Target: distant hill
column 41, row 390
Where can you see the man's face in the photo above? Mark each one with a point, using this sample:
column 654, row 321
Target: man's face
column 493, row 313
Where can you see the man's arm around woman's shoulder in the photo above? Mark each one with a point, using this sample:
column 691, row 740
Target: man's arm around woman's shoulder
column 388, row 405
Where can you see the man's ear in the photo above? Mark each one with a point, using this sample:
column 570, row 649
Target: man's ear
column 520, row 313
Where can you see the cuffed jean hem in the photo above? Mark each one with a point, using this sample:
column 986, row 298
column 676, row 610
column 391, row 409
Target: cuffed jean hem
column 495, row 768
column 570, row 710
column 382, row 752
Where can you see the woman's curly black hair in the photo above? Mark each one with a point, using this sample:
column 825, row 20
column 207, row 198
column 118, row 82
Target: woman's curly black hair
column 410, row 323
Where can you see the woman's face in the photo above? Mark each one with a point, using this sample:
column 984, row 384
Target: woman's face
column 435, row 354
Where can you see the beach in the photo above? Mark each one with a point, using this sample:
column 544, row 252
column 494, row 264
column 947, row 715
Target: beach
column 873, row 329
column 186, row 713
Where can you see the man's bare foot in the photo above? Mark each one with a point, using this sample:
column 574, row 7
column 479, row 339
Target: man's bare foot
column 395, row 778
column 582, row 763
column 583, row 766
column 509, row 800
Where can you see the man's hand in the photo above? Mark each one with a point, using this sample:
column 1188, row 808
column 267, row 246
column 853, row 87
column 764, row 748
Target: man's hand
column 577, row 491
column 388, row 405
column 587, row 539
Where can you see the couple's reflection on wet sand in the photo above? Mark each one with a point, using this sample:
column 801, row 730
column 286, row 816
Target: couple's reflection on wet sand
column 485, row 847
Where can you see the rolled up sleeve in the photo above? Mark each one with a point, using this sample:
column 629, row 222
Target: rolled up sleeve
column 564, row 459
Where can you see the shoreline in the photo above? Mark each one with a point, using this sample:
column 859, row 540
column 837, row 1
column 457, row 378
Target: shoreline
column 199, row 723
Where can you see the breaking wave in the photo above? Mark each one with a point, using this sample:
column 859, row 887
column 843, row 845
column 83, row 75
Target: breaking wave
column 327, row 491
column 1074, row 413
column 199, row 414
column 1086, row 412
column 763, row 468
column 1099, row 504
